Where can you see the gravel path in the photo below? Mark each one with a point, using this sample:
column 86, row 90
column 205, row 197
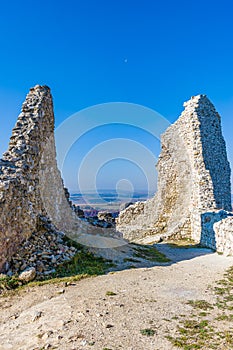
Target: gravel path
column 82, row 316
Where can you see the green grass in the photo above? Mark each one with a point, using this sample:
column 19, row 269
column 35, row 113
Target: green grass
column 224, row 317
column 110, row 293
column 9, row 283
column 196, row 332
column 83, row 262
column 193, row 334
column 200, row 304
column 149, row 332
column 203, row 314
column 149, row 253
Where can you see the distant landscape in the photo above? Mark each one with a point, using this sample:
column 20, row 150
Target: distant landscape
column 106, row 200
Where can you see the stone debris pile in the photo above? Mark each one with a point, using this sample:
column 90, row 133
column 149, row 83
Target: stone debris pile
column 42, row 252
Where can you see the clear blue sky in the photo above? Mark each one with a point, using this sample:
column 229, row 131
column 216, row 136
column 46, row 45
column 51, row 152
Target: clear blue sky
column 152, row 53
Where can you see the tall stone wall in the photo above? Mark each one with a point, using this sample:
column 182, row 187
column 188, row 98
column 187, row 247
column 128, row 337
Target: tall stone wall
column 31, row 186
column 29, row 178
column 193, row 177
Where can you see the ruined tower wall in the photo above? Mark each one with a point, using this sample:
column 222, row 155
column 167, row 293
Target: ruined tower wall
column 31, row 186
column 193, row 177
column 30, row 183
column 200, row 129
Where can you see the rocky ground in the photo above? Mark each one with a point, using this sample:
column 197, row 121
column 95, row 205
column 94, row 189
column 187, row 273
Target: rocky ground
column 132, row 309
column 41, row 253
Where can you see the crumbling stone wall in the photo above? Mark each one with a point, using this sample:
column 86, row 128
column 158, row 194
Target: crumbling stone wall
column 30, row 183
column 223, row 230
column 212, row 234
column 193, row 177
column 31, row 187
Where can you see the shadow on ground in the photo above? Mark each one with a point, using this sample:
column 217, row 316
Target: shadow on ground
column 145, row 256
column 95, row 261
column 178, row 253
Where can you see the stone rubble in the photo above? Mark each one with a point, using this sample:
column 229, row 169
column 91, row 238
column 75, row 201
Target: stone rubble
column 43, row 252
column 107, row 217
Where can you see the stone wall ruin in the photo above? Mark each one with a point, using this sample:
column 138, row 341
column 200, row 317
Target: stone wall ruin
column 193, row 178
column 29, row 178
column 31, row 187
column 193, row 197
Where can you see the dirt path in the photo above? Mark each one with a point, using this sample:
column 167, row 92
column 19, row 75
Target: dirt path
column 82, row 316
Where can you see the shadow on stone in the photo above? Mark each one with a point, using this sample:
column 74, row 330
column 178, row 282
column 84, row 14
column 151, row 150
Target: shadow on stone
column 208, row 235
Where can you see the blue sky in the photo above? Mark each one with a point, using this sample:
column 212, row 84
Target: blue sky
column 152, row 53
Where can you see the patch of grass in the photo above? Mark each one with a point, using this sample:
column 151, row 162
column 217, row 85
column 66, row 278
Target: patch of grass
column 193, row 334
column 188, row 246
column 57, row 280
column 220, row 291
column 182, row 343
column 228, row 337
column 185, row 242
column 175, row 318
column 203, row 314
column 149, row 332
column 200, row 304
column 9, row 283
column 149, row 253
column 83, row 262
column 222, row 317
column 110, row 293
column 196, row 332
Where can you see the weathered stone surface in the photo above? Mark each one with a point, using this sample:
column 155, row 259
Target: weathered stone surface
column 30, row 182
column 193, row 178
column 209, row 236
column 105, row 216
column 28, row 275
column 123, row 206
column 31, row 186
column 33, row 200
column 224, row 235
